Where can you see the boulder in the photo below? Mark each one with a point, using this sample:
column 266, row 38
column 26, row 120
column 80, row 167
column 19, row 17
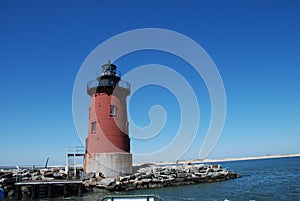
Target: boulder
column 155, row 180
column 34, row 174
column 59, row 175
column 165, row 172
column 204, row 170
column 48, row 174
column 55, row 169
column 92, row 181
column 193, row 169
column 107, row 182
column 123, row 179
column 88, row 176
column 180, row 175
column 146, row 180
column 9, row 181
column 7, row 175
column 25, row 174
column 44, row 170
column 158, row 169
column 99, row 175
column 34, row 178
column 25, row 178
column 86, row 183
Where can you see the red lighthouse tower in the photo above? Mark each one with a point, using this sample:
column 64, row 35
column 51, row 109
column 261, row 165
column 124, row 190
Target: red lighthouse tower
column 108, row 144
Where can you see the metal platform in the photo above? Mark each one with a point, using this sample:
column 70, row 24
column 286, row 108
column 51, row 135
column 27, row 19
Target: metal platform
column 46, row 182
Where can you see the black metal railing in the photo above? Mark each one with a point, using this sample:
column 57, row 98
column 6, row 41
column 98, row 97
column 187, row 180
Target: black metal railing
column 92, row 86
column 109, row 73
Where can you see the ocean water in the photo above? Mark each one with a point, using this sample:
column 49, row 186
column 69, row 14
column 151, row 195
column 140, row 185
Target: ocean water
column 265, row 179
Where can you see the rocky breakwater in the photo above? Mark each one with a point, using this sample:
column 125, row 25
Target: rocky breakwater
column 161, row 176
column 145, row 176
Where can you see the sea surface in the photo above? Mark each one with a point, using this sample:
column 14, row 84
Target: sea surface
column 263, row 179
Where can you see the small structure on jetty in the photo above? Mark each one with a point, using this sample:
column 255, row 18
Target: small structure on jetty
column 74, row 161
column 108, row 143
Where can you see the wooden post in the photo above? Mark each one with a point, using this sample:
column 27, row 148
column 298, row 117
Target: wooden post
column 18, row 195
column 65, row 190
column 33, row 192
column 79, row 189
column 50, row 191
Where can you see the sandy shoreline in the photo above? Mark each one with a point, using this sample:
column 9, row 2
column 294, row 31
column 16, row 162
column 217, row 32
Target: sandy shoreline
column 248, row 158
column 225, row 159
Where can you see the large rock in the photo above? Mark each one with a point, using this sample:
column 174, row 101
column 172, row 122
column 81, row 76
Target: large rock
column 48, row 174
column 99, row 175
column 107, row 182
column 181, row 175
column 92, row 181
column 44, row 170
column 146, row 180
column 7, row 175
column 88, row 176
column 193, row 169
column 38, row 177
column 59, row 175
column 34, row 174
column 9, row 181
column 124, row 179
column 165, row 172
column 47, row 178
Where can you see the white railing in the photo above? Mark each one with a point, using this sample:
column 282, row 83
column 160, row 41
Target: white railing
column 124, row 84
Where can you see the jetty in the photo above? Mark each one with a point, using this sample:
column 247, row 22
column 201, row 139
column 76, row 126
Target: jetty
column 54, row 182
column 152, row 176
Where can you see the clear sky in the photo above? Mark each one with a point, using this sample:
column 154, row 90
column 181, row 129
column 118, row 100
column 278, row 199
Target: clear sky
column 254, row 44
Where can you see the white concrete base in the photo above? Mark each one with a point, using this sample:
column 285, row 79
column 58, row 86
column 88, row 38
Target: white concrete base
column 110, row 164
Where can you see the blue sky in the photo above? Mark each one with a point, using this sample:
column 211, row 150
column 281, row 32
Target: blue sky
column 254, row 44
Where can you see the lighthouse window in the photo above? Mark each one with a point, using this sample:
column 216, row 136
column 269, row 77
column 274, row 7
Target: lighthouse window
column 93, row 127
column 113, row 110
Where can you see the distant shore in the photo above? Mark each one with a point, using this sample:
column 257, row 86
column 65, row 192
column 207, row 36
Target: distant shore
column 248, row 158
column 226, row 159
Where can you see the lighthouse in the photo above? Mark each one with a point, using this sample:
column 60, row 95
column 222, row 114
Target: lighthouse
column 108, row 143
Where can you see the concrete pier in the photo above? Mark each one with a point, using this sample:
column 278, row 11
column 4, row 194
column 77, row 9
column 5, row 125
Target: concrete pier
column 49, row 189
